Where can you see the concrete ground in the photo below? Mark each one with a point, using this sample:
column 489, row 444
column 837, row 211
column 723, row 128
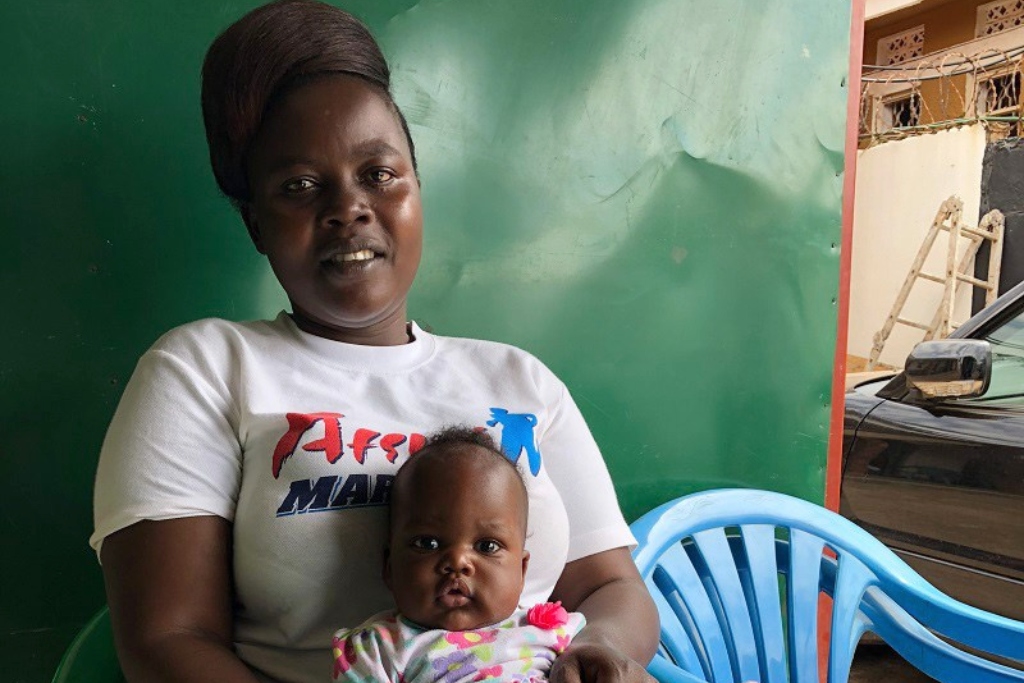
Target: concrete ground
column 875, row 663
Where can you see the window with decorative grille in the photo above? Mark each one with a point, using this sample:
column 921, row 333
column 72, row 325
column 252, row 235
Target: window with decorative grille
column 1000, row 96
column 902, row 47
column 903, row 111
column 1002, row 15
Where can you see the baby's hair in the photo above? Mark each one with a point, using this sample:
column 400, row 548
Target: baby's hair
column 266, row 54
column 452, row 441
column 458, row 434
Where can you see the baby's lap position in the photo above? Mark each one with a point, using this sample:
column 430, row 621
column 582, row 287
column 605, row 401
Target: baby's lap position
column 455, row 563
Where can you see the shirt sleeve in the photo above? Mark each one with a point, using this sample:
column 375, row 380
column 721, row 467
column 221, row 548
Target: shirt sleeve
column 578, row 471
column 172, row 448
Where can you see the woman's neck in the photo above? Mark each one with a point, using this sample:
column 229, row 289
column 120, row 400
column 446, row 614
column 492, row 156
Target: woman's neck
column 393, row 331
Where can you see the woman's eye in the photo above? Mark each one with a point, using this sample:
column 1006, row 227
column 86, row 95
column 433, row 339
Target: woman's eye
column 299, row 185
column 488, row 547
column 425, row 543
column 380, row 176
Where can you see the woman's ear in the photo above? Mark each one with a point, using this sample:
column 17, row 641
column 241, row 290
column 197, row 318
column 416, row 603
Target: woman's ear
column 251, row 225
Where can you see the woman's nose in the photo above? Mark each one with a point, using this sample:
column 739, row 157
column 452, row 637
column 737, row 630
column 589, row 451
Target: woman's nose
column 345, row 204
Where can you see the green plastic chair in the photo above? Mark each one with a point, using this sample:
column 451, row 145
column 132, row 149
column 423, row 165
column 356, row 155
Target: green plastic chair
column 91, row 657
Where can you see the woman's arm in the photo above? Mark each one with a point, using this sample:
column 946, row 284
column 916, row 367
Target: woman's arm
column 169, row 590
column 621, row 635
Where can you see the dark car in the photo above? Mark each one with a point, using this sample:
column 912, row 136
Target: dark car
column 933, row 459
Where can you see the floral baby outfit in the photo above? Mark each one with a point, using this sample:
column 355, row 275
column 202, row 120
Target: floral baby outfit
column 389, row 648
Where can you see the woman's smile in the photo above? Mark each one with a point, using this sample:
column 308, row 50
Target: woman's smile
column 349, row 256
column 353, row 260
column 355, row 264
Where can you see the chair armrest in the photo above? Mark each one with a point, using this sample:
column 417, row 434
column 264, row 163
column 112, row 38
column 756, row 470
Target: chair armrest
column 667, row 672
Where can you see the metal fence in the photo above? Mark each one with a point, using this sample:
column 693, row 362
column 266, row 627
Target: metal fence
column 948, row 90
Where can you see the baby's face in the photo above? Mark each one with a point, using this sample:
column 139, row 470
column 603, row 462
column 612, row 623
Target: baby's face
column 457, row 559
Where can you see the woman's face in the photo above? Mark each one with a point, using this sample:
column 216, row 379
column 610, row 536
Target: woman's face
column 336, row 209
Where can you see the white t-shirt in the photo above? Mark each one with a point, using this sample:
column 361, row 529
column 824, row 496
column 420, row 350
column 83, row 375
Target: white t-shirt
column 295, row 439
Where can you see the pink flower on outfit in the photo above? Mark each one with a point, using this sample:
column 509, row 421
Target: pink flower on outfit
column 344, row 655
column 547, row 615
column 488, row 672
column 464, row 639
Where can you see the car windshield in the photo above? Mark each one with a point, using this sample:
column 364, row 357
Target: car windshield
column 1007, row 385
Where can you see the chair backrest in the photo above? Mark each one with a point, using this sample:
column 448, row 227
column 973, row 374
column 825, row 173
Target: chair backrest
column 740, row 578
column 91, row 657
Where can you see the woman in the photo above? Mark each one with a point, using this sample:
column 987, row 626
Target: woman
column 231, row 435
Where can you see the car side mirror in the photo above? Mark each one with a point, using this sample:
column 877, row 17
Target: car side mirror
column 950, row 368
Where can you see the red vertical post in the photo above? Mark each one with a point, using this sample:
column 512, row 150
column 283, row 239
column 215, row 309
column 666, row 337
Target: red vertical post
column 834, row 461
column 834, row 458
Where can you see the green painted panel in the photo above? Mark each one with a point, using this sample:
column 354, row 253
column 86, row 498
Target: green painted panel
column 647, row 195
column 644, row 193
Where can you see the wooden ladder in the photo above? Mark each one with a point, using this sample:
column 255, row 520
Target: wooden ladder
column 948, row 218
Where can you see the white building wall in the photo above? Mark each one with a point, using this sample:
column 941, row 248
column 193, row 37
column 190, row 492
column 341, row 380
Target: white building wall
column 900, row 185
column 876, row 8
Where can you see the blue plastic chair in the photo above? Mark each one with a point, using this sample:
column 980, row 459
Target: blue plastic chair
column 737, row 576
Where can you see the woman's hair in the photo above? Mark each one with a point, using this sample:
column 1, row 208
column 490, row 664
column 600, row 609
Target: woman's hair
column 266, row 54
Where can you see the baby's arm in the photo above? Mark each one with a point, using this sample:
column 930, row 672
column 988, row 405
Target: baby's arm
column 365, row 654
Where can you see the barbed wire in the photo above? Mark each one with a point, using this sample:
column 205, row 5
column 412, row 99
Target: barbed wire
column 958, row 89
column 1000, row 56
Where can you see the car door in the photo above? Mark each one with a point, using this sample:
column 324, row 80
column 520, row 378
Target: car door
column 942, row 482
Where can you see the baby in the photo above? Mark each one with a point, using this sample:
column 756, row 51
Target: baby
column 455, row 564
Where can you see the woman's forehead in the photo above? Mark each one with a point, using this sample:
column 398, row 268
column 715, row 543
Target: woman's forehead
column 339, row 111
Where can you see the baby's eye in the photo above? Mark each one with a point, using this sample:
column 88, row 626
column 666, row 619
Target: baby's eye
column 425, row 543
column 488, row 546
column 380, row 176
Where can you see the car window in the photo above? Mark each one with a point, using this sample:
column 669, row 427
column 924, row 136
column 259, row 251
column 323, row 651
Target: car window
column 1007, row 385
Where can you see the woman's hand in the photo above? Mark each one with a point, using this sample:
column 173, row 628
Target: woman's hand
column 621, row 635
column 593, row 663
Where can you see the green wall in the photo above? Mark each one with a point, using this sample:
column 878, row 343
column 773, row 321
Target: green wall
column 644, row 193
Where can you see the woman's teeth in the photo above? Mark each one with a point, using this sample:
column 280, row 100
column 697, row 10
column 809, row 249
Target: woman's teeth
column 362, row 255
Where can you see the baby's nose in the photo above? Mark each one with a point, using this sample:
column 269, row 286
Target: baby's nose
column 457, row 561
